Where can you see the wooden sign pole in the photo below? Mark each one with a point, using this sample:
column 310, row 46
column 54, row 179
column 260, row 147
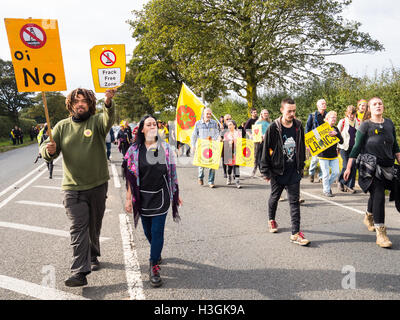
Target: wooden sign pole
column 46, row 112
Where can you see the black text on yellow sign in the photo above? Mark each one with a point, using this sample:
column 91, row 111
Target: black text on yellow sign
column 36, row 54
column 319, row 139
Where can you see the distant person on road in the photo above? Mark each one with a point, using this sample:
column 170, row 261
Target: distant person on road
column 42, row 136
column 249, row 123
column 230, row 140
column 348, row 128
column 282, row 163
column 110, row 138
column 315, row 120
column 123, row 139
column 264, row 121
column 81, row 138
column 206, row 128
column 329, row 158
column 377, row 148
column 152, row 188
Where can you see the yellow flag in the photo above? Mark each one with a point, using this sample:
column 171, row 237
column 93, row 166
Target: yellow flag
column 245, row 152
column 208, row 153
column 188, row 111
column 319, row 139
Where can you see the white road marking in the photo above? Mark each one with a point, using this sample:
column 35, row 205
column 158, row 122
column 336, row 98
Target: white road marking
column 43, row 204
column 22, row 179
column 54, row 232
column 47, row 204
column 48, row 187
column 117, row 184
column 132, row 267
column 26, row 185
column 35, row 290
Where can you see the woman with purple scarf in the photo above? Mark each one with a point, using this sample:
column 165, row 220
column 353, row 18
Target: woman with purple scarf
column 152, row 188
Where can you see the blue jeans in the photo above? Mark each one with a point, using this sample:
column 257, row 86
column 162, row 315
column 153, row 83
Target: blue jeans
column 108, row 147
column 211, row 175
column 313, row 166
column 154, row 231
column 352, row 178
column 329, row 179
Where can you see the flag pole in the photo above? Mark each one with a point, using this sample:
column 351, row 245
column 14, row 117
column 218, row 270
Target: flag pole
column 46, row 112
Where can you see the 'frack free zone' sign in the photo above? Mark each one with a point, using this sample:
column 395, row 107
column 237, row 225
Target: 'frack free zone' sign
column 36, row 54
column 108, row 66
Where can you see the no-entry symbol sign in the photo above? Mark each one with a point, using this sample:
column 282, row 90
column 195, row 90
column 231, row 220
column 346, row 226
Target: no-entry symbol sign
column 108, row 63
column 108, row 58
column 33, row 36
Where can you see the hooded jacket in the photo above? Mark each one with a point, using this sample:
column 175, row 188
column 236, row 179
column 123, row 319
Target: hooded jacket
column 272, row 159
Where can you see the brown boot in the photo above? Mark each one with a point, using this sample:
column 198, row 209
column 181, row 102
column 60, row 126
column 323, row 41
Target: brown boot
column 382, row 239
column 369, row 222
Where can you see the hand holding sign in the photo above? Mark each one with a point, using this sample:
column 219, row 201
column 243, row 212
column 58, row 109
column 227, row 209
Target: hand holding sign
column 109, row 95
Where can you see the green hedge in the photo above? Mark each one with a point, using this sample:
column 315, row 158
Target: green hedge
column 6, row 124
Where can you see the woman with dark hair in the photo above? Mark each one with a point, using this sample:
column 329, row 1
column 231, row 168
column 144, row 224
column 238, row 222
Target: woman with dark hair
column 376, row 148
column 230, row 140
column 152, row 188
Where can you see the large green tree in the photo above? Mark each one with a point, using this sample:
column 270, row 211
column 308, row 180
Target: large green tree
column 55, row 104
column 245, row 44
column 130, row 101
column 11, row 101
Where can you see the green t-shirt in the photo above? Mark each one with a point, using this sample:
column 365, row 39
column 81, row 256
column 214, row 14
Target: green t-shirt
column 84, row 150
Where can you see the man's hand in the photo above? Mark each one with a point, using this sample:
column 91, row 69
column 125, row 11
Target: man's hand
column 332, row 133
column 109, row 95
column 266, row 179
column 51, row 147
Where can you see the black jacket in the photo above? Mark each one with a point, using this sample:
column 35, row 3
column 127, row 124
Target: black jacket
column 272, row 159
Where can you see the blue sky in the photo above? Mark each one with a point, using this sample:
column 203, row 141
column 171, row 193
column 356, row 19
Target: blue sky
column 84, row 24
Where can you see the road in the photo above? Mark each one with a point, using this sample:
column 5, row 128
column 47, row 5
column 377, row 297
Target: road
column 221, row 250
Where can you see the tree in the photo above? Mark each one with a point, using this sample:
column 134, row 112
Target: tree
column 130, row 100
column 55, row 104
column 11, row 101
column 251, row 43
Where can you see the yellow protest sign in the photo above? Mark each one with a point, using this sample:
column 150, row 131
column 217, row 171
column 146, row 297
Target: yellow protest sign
column 108, row 66
column 256, row 130
column 208, row 153
column 36, row 54
column 245, row 152
column 319, row 139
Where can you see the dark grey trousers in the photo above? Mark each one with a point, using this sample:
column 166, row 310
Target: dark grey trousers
column 293, row 192
column 85, row 209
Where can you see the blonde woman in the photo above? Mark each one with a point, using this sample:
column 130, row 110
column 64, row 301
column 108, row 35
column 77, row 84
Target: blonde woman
column 328, row 159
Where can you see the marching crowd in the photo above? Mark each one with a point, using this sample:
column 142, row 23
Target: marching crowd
column 149, row 168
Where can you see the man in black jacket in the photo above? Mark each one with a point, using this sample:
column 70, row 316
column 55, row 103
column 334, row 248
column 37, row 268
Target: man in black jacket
column 282, row 163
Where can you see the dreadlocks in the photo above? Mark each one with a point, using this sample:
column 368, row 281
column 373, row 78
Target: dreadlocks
column 87, row 94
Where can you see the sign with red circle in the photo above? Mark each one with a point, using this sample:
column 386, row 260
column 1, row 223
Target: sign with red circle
column 246, row 152
column 208, row 153
column 108, row 58
column 33, row 36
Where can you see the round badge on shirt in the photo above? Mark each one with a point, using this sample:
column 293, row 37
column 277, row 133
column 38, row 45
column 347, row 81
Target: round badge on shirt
column 88, row 133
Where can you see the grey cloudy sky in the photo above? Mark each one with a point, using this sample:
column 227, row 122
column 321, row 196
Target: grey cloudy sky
column 84, row 24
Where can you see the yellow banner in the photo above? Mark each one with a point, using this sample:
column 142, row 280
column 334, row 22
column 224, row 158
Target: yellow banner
column 208, row 153
column 319, row 139
column 36, row 54
column 245, row 152
column 108, row 66
column 188, row 111
column 256, row 130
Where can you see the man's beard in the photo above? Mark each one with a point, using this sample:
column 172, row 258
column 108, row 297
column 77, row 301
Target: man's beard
column 82, row 116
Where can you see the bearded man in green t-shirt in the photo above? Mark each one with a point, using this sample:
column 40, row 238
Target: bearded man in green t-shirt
column 81, row 140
